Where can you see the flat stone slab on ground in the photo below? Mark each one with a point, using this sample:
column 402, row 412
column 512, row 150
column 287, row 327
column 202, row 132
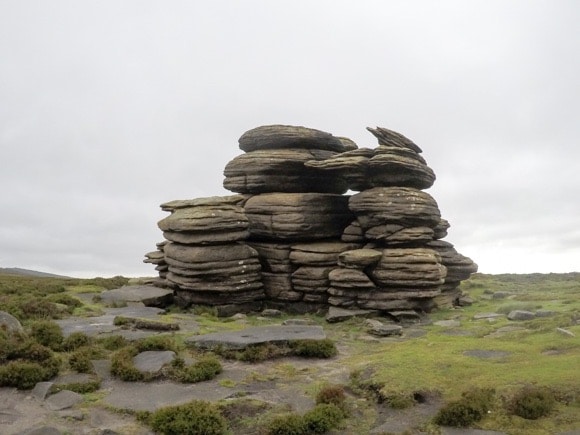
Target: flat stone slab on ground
column 144, row 396
column 151, row 361
column 257, row 335
column 149, row 295
column 521, row 315
column 481, row 316
column 378, row 328
column 105, row 324
column 336, row 314
column 63, row 399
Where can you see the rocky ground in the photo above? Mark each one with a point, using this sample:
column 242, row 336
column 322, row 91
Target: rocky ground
column 286, row 383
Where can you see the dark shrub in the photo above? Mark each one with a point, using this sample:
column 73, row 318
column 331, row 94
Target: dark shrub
column 331, row 394
column 458, row 414
column 194, row 418
column 314, row 348
column 323, row 418
column 472, row 407
column 47, row 333
column 76, row 340
column 113, row 342
column 290, row 424
column 206, row 368
column 122, row 365
column 25, row 375
column 532, row 402
column 318, row 420
column 80, row 360
column 156, row 342
column 65, row 299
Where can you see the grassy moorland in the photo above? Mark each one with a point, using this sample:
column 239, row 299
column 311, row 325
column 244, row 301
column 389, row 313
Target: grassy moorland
column 494, row 355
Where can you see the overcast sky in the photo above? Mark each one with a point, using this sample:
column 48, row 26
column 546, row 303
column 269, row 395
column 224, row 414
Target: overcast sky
column 110, row 108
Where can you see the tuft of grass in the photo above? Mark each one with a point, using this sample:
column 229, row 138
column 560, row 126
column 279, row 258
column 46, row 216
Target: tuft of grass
column 314, row 348
column 194, row 418
column 47, row 333
column 471, row 408
column 532, row 402
column 204, row 369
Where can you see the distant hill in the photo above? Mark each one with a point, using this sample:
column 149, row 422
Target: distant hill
column 26, row 272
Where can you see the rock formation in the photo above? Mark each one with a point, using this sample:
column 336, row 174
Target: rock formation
column 291, row 238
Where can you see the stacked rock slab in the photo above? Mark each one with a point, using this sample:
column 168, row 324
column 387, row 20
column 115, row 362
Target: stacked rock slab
column 296, row 213
column 403, row 265
column 291, row 237
column 206, row 258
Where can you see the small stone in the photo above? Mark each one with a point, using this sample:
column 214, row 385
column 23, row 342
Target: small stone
column 378, row 328
column 448, row 323
column 270, row 312
column 41, row 390
column 152, row 361
column 500, row 295
column 465, row 301
column 545, row 313
column 565, row 332
column 63, row 399
column 239, row 316
column 72, row 415
column 11, row 323
column 294, row 322
column 481, row 316
column 520, row 315
column 336, row 314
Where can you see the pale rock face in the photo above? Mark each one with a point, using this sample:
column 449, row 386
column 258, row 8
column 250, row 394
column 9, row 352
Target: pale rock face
column 291, row 237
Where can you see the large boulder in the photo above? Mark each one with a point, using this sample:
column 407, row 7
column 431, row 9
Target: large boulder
column 297, row 216
column 380, row 207
column 269, row 137
column 281, row 170
column 211, row 220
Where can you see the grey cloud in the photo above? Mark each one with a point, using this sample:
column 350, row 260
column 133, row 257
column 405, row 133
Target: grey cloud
column 111, row 108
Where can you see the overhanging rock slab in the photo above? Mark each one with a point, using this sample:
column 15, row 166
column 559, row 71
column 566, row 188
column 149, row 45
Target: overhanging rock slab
column 277, row 334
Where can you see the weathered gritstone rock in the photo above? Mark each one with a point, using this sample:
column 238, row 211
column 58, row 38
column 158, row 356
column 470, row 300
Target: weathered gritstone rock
column 292, row 240
column 383, row 166
column 206, row 221
column 459, row 268
column 297, row 216
column 281, row 170
column 269, row 137
column 319, row 253
column 353, row 233
column 383, row 206
column 359, row 258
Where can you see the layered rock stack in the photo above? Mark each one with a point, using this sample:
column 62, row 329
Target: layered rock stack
column 292, row 238
column 296, row 213
column 205, row 255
